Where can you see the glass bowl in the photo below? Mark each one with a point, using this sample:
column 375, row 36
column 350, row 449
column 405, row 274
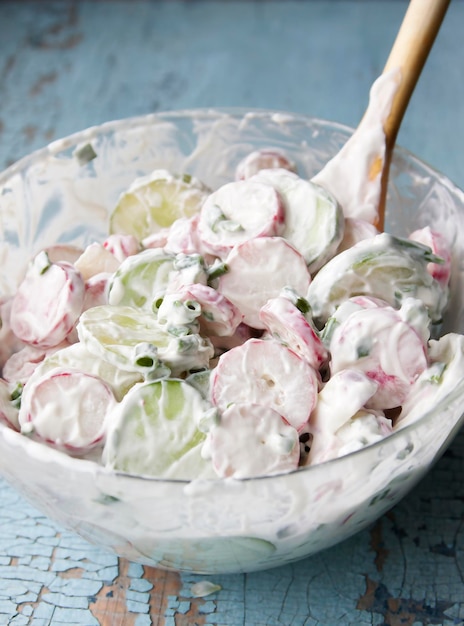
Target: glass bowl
column 221, row 526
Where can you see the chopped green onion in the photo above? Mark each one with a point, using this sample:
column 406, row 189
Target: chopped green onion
column 16, row 395
column 217, row 269
column 85, row 153
column 41, row 262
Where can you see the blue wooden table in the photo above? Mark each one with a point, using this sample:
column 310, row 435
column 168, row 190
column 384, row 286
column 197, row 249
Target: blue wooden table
column 68, row 65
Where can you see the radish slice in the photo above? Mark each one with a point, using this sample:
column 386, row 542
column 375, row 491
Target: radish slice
column 122, row 246
column 218, row 316
column 267, row 158
column 237, row 212
column 9, row 342
column 22, row 364
column 289, row 325
column 48, row 302
column 67, row 409
column 252, row 440
column 314, row 220
column 355, row 231
column 378, row 342
column 183, row 236
column 257, row 271
column 266, row 372
column 156, row 240
column 440, row 247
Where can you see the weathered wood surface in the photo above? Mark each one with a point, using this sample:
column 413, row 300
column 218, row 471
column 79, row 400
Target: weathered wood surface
column 65, row 66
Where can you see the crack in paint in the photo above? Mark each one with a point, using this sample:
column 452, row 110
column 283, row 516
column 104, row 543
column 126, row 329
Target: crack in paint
column 377, row 544
column 400, row 611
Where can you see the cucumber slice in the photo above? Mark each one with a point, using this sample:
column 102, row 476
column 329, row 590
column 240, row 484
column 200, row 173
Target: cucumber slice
column 156, row 426
column 156, row 201
column 141, row 279
column 117, row 333
column 77, row 356
column 314, row 221
column 383, row 266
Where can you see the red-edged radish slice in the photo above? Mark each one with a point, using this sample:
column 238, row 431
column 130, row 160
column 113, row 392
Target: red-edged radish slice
column 22, row 364
column 378, row 342
column 257, row 271
column 268, row 373
column 439, row 246
column 264, row 159
column 122, row 246
column 67, row 409
column 252, row 440
column 289, row 325
column 48, row 302
column 237, row 212
column 218, row 317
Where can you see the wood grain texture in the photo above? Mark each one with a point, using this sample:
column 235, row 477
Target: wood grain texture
column 409, row 53
column 68, row 65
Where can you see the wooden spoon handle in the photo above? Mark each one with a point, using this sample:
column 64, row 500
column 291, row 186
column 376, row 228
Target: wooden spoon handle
column 415, row 38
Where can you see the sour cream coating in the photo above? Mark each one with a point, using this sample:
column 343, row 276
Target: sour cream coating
column 269, row 264
column 313, row 218
column 353, row 175
column 48, row 302
column 274, row 442
column 81, row 425
column 231, row 333
column 378, row 342
column 266, row 373
column 383, row 266
column 339, row 423
column 237, row 212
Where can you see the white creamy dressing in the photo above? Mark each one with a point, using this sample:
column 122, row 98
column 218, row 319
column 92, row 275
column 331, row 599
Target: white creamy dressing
column 82, row 401
column 237, row 212
column 141, row 278
column 154, row 426
column 313, row 220
column 381, row 267
column 78, row 357
column 258, row 270
column 347, row 427
column 353, row 175
column 440, row 379
column 57, row 292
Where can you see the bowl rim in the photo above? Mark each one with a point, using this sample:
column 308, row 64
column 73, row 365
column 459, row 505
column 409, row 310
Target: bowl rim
column 75, row 138
column 88, row 133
